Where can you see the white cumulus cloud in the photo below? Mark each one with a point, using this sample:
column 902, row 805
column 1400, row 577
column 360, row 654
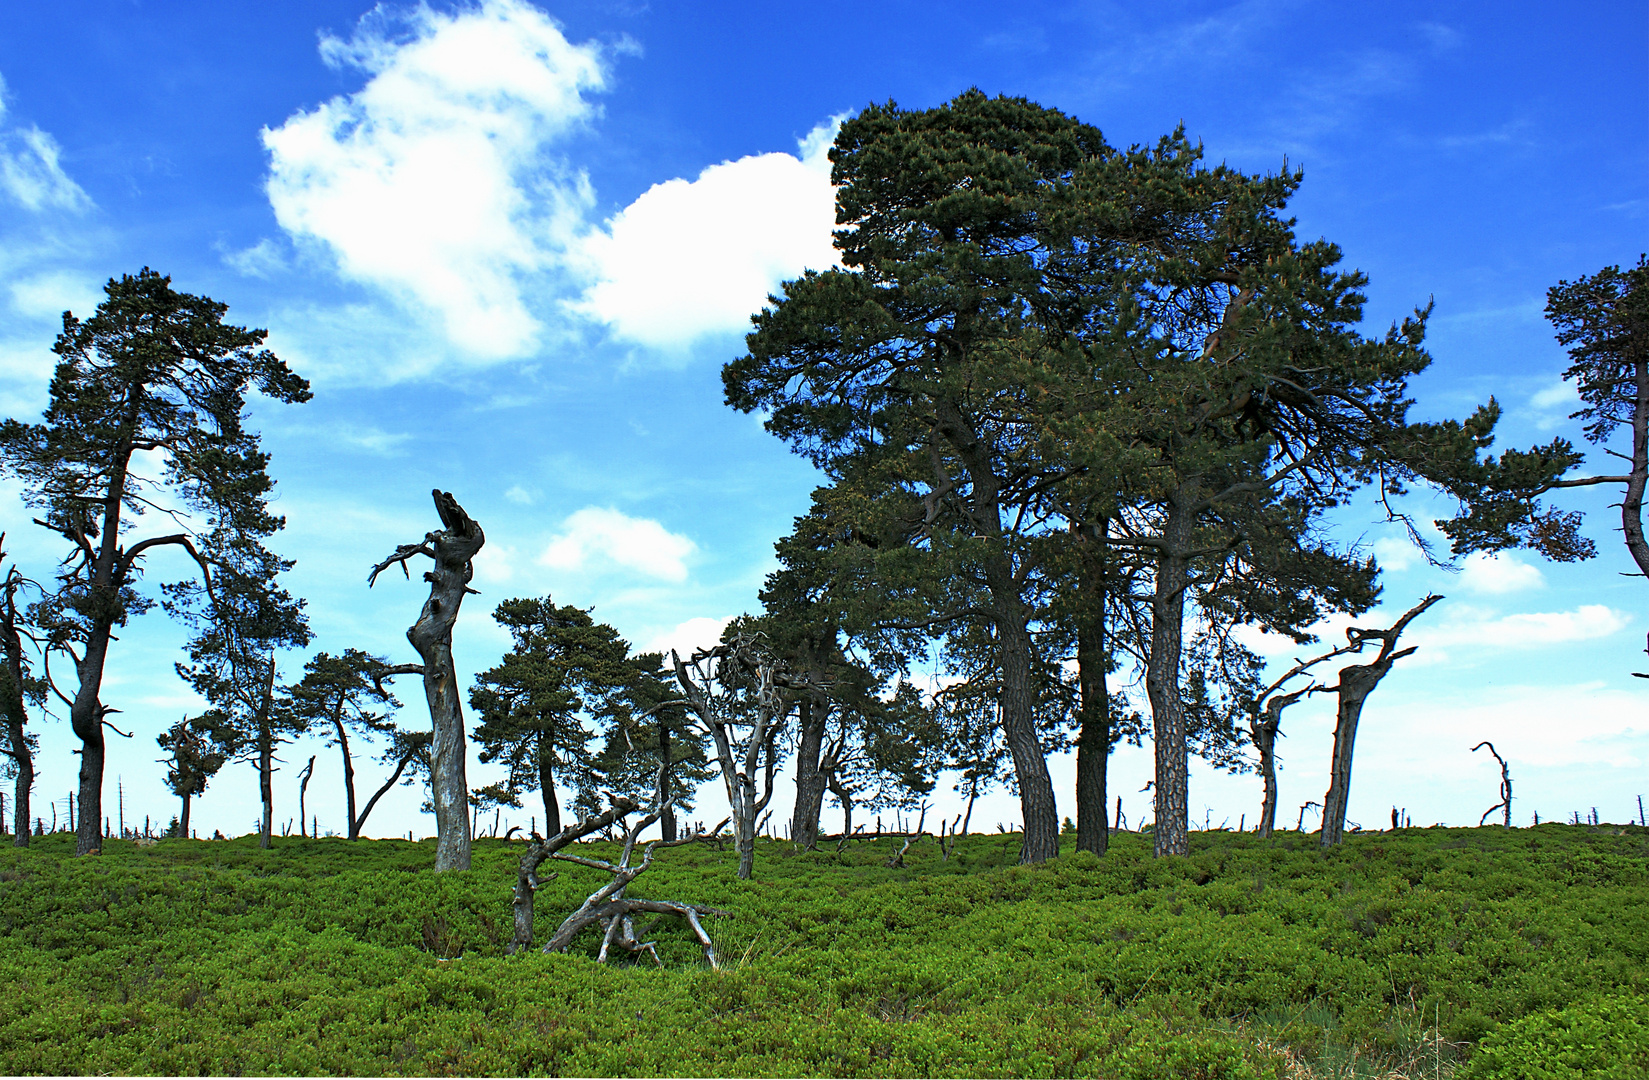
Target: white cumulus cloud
column 690, row 258
column 596, row 535
column 29, row 170
column 1499, row 574
column 435, row 181
column 701, row 632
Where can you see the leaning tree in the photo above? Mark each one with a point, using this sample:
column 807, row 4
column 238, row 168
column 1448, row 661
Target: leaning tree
column 1356, row 683
column 451, row 548
column 153, row 383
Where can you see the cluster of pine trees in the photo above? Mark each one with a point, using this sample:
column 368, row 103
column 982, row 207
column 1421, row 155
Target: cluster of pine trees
column 1081, row 412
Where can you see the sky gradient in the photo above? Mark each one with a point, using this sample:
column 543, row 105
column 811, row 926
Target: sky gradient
column 512, row 245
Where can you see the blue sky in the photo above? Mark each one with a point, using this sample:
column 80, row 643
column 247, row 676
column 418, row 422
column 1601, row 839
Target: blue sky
column 511, row 246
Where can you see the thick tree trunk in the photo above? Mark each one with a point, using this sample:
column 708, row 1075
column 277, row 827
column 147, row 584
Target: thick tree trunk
column 450, row 549
column 1162, row 678
column 810, row 782
column 1093, row 742
column 1357, row 681
column 86, row 718
column 1018, row 702
column 546, row 786
column 183, row 819
column 1631, row 505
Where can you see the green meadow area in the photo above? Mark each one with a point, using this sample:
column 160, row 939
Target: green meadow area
column 1423, row 952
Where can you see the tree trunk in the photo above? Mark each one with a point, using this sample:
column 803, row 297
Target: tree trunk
column 1357, row 681
column 745, row 823
column 667, row 814
column 546, row 786
column 845, row 797
column 86, row 718
column 1265, row 741
column 266, row 781
column 1631, row 504
column 1093, row 743
column 183, row 819
column 1019, row 694
column 16, row 716
column 810, row 782
column 1162, row 678
column 354, row 826
column 431, row 635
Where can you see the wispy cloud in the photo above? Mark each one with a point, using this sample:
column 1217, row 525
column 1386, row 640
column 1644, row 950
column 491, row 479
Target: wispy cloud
column 31, row 174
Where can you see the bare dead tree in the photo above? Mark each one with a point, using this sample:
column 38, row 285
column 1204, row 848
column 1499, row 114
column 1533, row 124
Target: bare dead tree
column 451, row 548
column 303, row 787
column 710, row 681
column 609, row 906
column 1265, row 727
column 1505, row 802
column 1357, row 682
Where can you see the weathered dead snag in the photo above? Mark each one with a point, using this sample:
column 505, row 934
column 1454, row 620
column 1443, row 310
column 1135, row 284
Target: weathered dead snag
column 737, row 693
column 451, row 548
column 1505, row 802
column 1357, row 682
column 608, row 907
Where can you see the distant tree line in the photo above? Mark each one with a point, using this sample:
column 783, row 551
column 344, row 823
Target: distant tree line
column 1083, row 414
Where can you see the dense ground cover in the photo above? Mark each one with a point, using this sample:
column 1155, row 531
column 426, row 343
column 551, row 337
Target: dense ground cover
column 1526, row 950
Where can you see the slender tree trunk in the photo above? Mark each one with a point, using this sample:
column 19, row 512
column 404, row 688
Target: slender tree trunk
column 810, row 782
column 1631, row 505
column 745, row 823
column 546, row 785
column 11, row 681
column 845, row 797
column 1265, row 741
column 1162, row 678
column 1093, row 661
column 667, row 815
column 266, row 781
column 354, row 826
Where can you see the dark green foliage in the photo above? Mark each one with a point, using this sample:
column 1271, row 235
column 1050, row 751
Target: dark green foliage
column 151, row 370
column 330, row 957
column 533, row 703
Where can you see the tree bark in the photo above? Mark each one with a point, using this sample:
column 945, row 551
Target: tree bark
column 1093, row 743
column 354, row 826
column 450, row 549
column 1171, row 825
column 1357, row 681
column 546, row 785
column 183, row 819
column 810, row 782
column 667, row 815
column 1631, row 504
column 16, row 716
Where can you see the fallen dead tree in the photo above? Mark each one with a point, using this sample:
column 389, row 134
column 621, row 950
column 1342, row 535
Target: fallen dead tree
column 608, row 907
